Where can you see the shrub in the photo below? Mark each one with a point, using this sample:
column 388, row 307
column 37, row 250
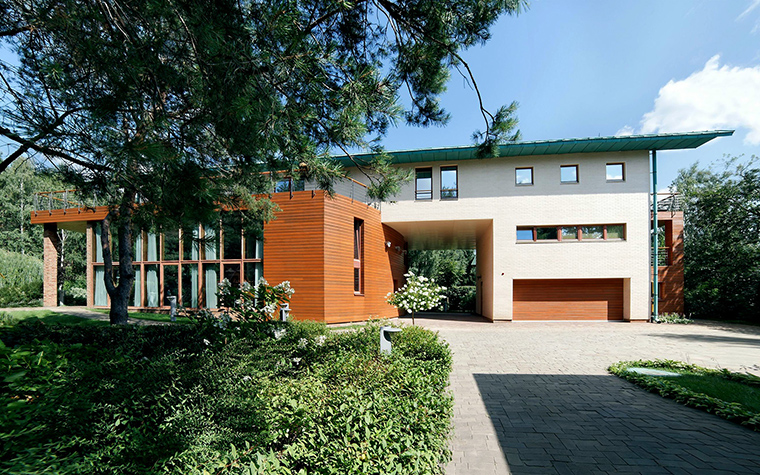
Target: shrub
column 20, row 279
column 417, row 295
column 246, row 397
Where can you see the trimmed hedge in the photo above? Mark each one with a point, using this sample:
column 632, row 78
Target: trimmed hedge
column 669, row 388
column 247, row 398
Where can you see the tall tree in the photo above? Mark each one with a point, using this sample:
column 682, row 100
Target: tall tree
column 722, row 240
column 181, row 105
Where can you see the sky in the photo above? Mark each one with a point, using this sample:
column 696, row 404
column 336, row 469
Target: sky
column 600, row 68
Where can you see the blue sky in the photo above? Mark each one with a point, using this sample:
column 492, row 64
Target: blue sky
column 583, row 69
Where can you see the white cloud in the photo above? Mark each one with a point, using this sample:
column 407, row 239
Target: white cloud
column 752, row 5
column 626, row 130
column 717, row 97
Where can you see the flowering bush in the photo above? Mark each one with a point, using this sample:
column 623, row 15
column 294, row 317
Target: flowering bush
column 253, row 302
column 417, row 295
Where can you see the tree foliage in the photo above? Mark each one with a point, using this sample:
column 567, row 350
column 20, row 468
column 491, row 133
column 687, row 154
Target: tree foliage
column 722, row 240
column 180, row 106
column 453, row 268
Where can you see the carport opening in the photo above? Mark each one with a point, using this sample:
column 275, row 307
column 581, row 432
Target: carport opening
column 454, row 269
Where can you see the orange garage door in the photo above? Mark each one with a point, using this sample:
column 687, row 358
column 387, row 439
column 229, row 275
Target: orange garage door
column 568, row 299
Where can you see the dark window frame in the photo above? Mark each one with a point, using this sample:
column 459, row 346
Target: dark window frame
column 358, row 256
column 532, row 176
column 424, row 192
column 577, row 175
column 606, row 174
column 455, row 168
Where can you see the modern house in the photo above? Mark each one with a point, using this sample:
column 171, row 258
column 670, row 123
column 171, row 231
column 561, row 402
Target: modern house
column 562, row 231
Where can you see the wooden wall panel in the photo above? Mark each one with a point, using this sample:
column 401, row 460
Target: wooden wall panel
column 568, row 299
column 671, row 276
column 294, row 251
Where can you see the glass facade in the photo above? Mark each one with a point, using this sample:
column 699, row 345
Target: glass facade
column 188, row 265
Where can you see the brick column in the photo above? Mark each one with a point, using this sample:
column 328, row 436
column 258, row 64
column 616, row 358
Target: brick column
column 50, row 265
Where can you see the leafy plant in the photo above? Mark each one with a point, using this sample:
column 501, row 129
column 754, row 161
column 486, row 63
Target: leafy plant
column 672, row 318
column 254, row 302
column 417, row 295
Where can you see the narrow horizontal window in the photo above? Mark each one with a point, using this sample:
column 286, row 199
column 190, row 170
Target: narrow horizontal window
column 524, row 176
column 572, row 233
column 569, row 233
column 615, row 231
column 546, row 234
column 524, row 234
column 590, row 233
column 568, row 174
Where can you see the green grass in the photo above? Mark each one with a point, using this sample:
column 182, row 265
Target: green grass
column 49, row 318
column 153, row 317
column 733, row 396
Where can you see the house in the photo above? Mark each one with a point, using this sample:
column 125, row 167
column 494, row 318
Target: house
column 562, row 231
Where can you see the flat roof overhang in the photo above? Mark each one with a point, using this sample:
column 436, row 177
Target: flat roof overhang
column 448, row 234
column 623, row 143
column 72, row 219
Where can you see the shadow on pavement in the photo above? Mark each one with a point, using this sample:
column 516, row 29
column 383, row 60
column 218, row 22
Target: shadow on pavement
column 589, row 424
column 753, row 342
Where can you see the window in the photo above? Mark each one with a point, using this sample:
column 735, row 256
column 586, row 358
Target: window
column 423, row 184
column 572, row 233
column 524, row 176
column 358, row 256
column 449, row 183
column 288, row 184
column 568, row 174
column 615, row 172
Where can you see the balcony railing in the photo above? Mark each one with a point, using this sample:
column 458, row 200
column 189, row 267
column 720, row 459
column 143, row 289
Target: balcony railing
column 663, row 257
column 47, row 201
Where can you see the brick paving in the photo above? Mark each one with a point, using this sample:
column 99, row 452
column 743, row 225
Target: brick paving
column 536, row 398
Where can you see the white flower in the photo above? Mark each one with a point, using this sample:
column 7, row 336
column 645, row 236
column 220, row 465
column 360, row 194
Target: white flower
column 303, row 342
column 320, row 340
column 206, row 342
column 247, row 378
column 296, row 360
column 279, row 333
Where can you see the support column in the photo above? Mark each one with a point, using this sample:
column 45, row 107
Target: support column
column 90, row 271
column 51, row 244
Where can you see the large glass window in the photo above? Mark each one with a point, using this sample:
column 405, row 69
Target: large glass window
column 136, row 297
column 232, row 273
column 190, row 285
column 254, row 247
column 101, row 296
column 210, row 284
column 615, row 172
column 597, row 232
column 151, row 240
column 449, row 183
column 423, row 184
column 568, row 174
column 171, row 283
column 171, row 245
column 210, row 243
column 358, row 256
column 152, row 286
column 233, row 236
column 191, row 245
column 253, row 272
column 524, row 176
column 288, row 184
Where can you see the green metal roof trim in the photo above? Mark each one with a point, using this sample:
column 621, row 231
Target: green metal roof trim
column 623, row 143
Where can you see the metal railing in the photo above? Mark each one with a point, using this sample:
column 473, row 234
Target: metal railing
column 47, row 201
column 663, row 257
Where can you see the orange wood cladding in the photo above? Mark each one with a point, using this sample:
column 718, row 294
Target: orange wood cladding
column 69, row 215
column 568, row 299
column 310, row 243
column 671, row 276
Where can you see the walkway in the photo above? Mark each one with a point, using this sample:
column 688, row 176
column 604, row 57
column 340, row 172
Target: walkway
column 536, row 398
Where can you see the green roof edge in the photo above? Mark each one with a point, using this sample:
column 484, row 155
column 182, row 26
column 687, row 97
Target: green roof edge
column 669, row 141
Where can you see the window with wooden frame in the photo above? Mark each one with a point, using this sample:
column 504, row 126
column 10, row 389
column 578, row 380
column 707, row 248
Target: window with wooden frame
column 449, row 183
column 568, row 174
column 615, row 172
column 571, row 233
column 358, row 256
column 524, row 176
column 423, row 184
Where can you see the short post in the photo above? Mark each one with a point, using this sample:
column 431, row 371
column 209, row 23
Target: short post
column 284, row 311
column 385, row 339
column 172, row 307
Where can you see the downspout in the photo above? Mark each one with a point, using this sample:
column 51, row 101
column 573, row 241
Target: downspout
column 655, row 242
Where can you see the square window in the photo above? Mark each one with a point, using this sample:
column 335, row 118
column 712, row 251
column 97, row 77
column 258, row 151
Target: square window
column 615, row 172
column 449, row 190
column 568, row 174
column 615, row 231
column 423, row 184
column 523, row 176
column 524, row 234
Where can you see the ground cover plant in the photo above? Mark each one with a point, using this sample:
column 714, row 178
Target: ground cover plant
column 219, row 396
column 733, row 396
column 49, row 317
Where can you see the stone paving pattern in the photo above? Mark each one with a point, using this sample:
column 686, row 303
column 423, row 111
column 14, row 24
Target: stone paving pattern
column 537, row 398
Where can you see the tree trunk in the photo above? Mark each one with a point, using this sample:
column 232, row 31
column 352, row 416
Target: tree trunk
column 119, row 294
column 412, row 317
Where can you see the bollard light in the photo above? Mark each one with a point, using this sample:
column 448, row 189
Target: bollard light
column 385, row 338
column 284, row 312
column 172, row 307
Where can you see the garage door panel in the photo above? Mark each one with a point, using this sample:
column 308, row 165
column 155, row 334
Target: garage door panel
column 568, row 299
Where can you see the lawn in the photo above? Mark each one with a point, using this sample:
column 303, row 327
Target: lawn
column 47, row 317
column 734, row 396
column 154, row 317
column 243, row 397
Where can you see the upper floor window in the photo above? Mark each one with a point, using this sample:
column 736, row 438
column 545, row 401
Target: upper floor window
column 568, row 174
column 423, row 184
column 358, row 256
column 615, row 172
column 598, row 232
column 449, row 183
column 524, row 176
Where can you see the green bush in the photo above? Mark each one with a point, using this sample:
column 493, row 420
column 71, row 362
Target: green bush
column 20, row 279
column 461, row 298
column 267, row 397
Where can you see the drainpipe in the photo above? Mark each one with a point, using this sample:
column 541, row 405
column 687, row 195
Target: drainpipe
column 655, row 241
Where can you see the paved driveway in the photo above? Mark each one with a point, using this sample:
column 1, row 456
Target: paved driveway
column 536, row 398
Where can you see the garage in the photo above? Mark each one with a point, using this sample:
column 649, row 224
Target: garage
column 568, row 299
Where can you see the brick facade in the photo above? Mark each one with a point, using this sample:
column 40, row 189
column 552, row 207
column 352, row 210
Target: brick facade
column 51, row 244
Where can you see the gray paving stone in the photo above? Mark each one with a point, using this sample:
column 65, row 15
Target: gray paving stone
column 536, row 398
